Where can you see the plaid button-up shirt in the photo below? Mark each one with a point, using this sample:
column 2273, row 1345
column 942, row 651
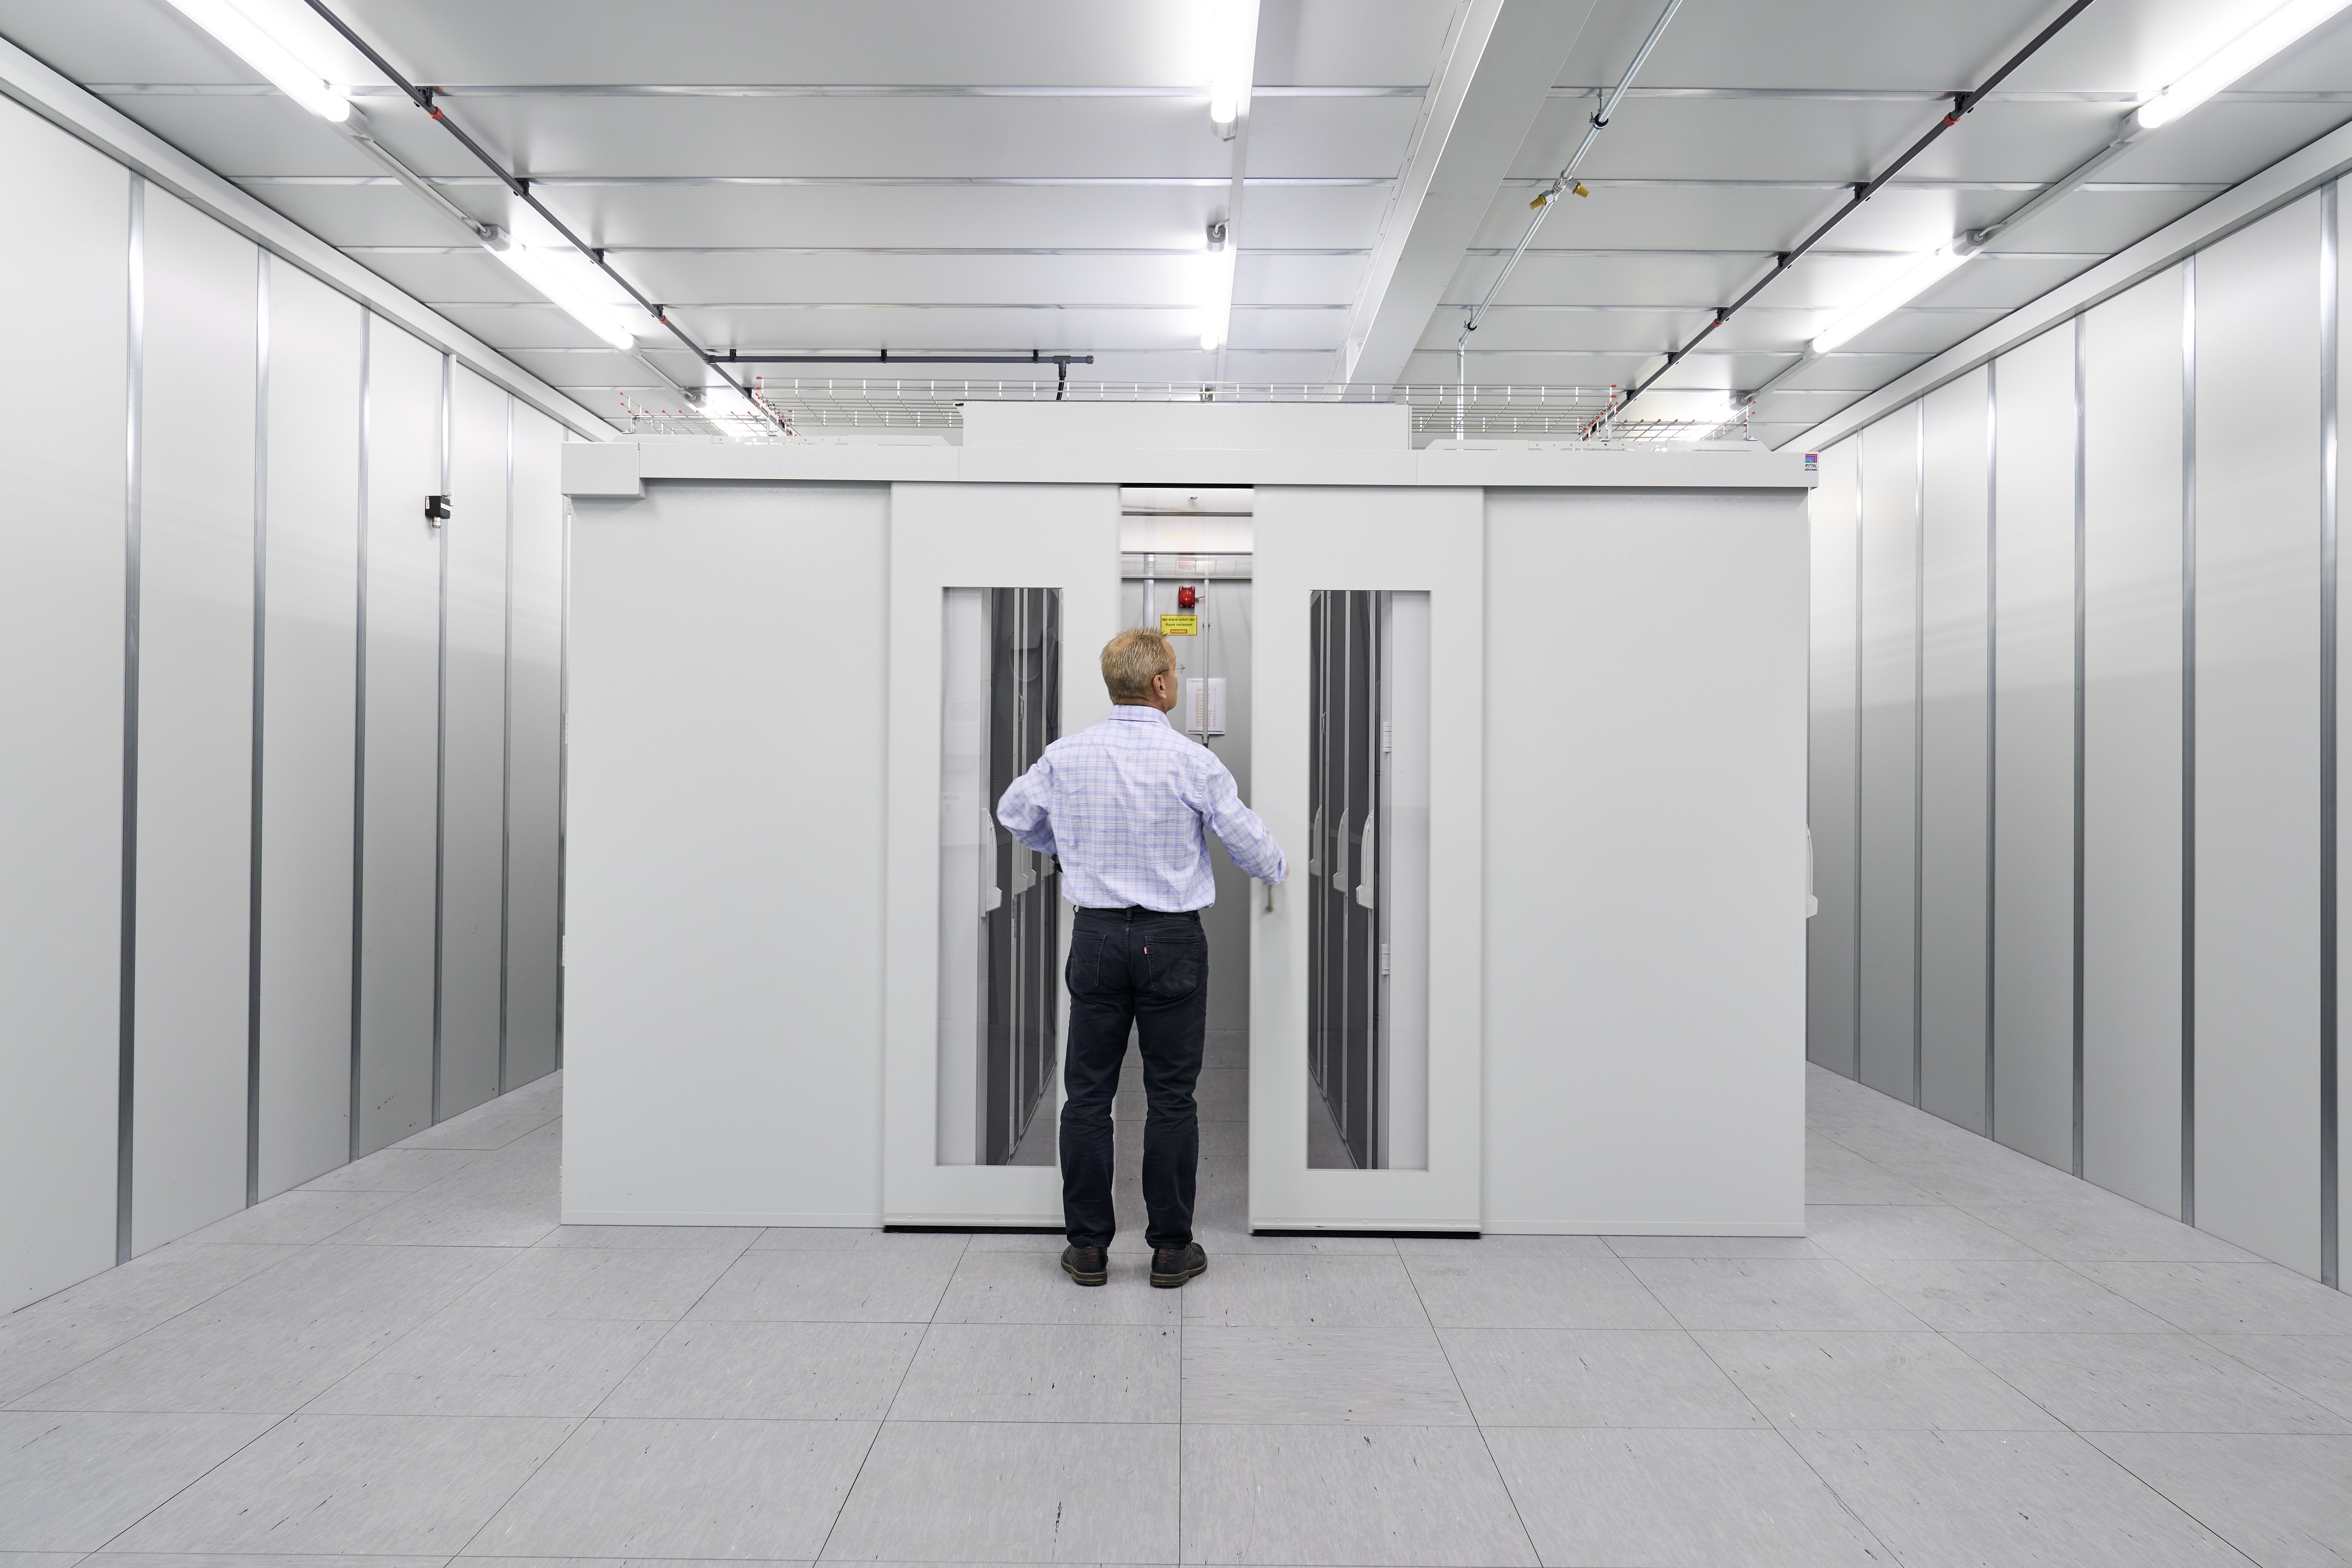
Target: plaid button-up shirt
column 1126, row 805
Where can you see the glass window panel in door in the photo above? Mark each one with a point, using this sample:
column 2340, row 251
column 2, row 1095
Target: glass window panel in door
column 1000, row 910
column 1367, row 887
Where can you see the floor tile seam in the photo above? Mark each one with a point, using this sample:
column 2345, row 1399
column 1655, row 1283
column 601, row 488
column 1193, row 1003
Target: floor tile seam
column 1963, row 1206
column 841, row 1508
column 193, row 1480
column 2157, row 1492
column 2280, row 1383
column 2038, row 1255
column 2313, row 1406
column 174, row 1318
column 1788, row 1442
column 424, row 1319
column 578, row 1424
column 1485, row 1444
column 1838, row 1263
column 663, row 1338
column 2078, row 1267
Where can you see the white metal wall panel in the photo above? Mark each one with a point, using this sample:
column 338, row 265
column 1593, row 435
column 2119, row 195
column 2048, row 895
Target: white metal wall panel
column 1954, row 786
column 195, row 732
column 726, row 922
column 1830, row 792
column 61, row 625
column 2257, row 1143
column 2343, row 731
column 1890, row 737
column 2131, row 771
column 534, row 746
column 472, row 739
column 403, row 455
column 1668, row 1095
column 2033, row 716
column 310, row 659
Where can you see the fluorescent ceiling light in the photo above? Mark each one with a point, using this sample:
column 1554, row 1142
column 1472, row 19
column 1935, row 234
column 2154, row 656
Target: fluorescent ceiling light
column 1233, row 59
column 1216, row 289
column 565, row 277
column 733, row 414
column 2235, row 59
column 1907, row 286
column 238, row 32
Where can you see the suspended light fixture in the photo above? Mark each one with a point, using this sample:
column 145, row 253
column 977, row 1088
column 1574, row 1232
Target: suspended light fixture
column 565, row 278
column 243, row 38
column 730, row 413
column 2234, row 59
column 1216, row 289
column 1232, row 61
column 1913, row 281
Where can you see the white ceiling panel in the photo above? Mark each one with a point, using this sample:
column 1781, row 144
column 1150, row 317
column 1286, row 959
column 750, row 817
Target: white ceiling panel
column 1331, row 43
column 1607, row 278
column 1567, row 328
column 1137, row 43
column 568, row 368
column 437, row 272
column 2226, row 142
column 933, row 174
column 1814, row 139
column 2007, row 279
column 1806, row 43
column 378, row 212
column 1852, row 368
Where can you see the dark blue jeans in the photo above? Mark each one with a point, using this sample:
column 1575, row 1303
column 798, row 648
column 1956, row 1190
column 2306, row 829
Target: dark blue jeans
column 1148, row 970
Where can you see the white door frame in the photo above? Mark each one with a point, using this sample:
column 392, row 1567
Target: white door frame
column 1420, row 539
column 967, row 536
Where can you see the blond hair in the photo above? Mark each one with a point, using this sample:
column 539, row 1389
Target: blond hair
column 1130, row 659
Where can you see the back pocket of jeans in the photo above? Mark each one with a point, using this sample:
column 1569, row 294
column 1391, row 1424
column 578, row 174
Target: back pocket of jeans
column 1173, row 969
column 1081, row 972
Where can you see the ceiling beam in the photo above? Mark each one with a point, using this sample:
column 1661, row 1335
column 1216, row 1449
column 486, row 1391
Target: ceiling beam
column 1498, row 70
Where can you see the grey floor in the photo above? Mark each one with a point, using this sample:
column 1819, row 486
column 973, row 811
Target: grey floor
column 1971, row 1360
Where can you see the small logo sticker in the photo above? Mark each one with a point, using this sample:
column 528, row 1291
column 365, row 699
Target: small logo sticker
column 1812, row 462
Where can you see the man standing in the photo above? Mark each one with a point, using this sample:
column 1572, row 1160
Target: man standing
column 1125, row 805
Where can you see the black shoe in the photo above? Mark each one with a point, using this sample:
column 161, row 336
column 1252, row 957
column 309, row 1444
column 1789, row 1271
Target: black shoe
column 1171, row 1266
column 1086, row 1265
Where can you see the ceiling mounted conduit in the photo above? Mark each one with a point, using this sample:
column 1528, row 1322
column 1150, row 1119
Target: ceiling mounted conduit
column 1963, row 104
column 737, row 402
column 1562, row 184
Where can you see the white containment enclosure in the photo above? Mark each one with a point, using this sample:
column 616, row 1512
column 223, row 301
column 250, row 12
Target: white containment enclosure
column 1365, row 1021
column 999, row 596
column 1529, row 725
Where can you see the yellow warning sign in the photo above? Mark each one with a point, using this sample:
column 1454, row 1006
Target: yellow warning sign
column 1179, row 625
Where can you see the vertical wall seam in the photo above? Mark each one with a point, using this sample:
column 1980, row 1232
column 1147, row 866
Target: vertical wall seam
column 506, row 756
column 2329, row 283
column 134, row 488
column 1859, row 656
column 2081, row 703
column 261, row 685
column 1919, row 758
column 1992, row 725
column 2188, row 739
column 359, row 739
column 562, row 765
column 441, row 735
